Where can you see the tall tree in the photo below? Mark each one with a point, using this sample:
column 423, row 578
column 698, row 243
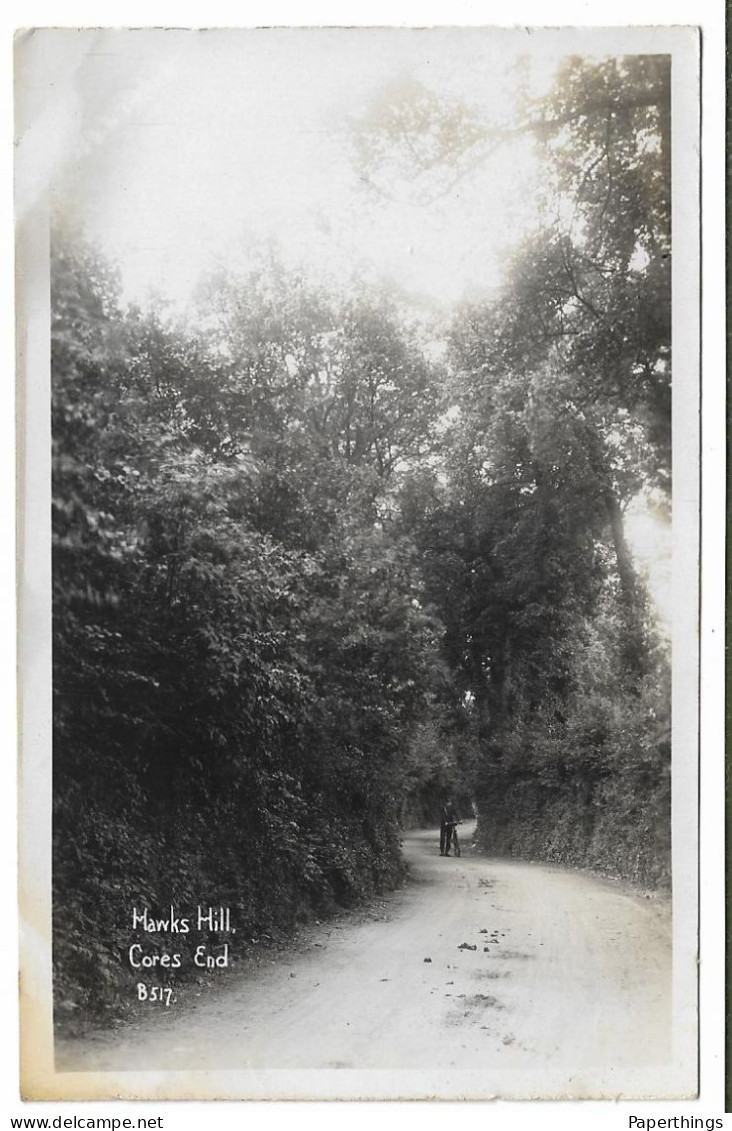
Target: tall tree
column 561, row 416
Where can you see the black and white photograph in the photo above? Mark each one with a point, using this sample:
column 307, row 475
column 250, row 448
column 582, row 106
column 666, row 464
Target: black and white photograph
column 359, row 683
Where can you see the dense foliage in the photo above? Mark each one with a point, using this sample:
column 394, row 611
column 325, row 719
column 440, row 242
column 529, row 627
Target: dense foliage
column 562, row 417
column 306, row 581
column 241, row 650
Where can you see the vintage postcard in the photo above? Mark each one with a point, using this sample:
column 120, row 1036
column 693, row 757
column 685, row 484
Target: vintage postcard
column 359, row 393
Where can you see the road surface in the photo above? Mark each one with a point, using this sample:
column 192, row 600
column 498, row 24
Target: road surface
column 475, row 963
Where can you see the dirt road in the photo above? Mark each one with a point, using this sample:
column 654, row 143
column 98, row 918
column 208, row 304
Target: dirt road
column 476, row 963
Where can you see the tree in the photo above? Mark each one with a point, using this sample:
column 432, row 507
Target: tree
column 241, row 653
column 561, row 393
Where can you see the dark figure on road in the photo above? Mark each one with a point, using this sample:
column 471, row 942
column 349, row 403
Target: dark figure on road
column 448, row 825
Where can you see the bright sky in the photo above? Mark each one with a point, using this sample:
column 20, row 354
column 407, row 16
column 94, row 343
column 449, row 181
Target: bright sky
column 650, row 537
column 182, row 148
column 178, row 150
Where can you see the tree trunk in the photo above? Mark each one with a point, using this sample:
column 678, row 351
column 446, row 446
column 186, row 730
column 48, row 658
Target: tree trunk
column 626, row 569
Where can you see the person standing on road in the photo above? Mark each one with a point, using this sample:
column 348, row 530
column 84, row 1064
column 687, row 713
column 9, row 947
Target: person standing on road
column 447, row 826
